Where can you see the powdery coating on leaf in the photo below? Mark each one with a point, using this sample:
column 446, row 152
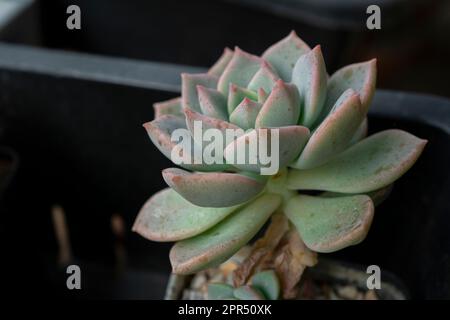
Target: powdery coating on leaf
column 361, row 77
column 220, row 65
column 371, row 164
column 265, row 78
column 267, row 283
column 284, row 54
column 223, row 240
column 377, row 196
column 282, row 107
column 331, row 224
column 207, row 122
column 216, row 189
column 236, row 95
column 334, row 134
column 292, row 139
column 310, row 77
column 244, row 116
column 189, row 83
column 171, row 106
column 166, row 216
column 212, row 103
column 160, row 130
column 239, row 71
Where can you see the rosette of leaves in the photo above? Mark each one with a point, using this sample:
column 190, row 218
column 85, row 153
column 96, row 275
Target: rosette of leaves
column 212, row 210
column 263, row 285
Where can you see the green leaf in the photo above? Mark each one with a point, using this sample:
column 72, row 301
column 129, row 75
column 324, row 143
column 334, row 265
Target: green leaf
column 310, row 77
column 237, row 94
column 167, row 216
column 248, row 293
column 220, row 65
column 361, row 77
column 160, row 132
column 267, row 282
column 331, row 224
column 371, row 164
column 189, row 83
column 360, row 133
column 284, row 54
column 203, row 123
column 172, row 107
column 258, row 142
column 214, row 189
column 239, row 71
column 282, row 107
column 335, row 132
column 212, row 103
column 222, row 241
column 265, row 78
column 220, row 291
column 244, row 116
column 377, row 196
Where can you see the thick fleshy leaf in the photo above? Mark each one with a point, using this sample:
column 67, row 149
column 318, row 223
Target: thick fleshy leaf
column 239, row 71
column 214, row 189
column 310, row 77
column 160, row 132
column 197, row 124
column 360, row 133
column 167, row 216
column 267, row 283
column 212, row 103
column 377, row 196
column 254, row 151
column 282, row 107
column 237, row 94
column 189, row 83
column 331, row 224
column 220, row 65
column 361, row 77
column 172, row 106
column 248, row 293
column 265, row 78
column 262, row 95
column 244, row 116
column 219, row 243
column 220, row 291
column 335, row 132
column 371, row 164
column 284, row 54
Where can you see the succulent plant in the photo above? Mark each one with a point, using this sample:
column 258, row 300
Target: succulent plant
column 330, row 175
column 263, row 285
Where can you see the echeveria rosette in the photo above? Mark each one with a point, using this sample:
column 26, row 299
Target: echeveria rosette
column 212, row 210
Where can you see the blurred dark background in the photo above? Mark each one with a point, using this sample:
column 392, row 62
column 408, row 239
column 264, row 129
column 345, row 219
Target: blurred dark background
column 412, row 46
column 74, row 123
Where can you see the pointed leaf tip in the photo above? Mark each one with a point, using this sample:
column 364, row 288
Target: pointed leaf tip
column 284, row 54
column 310, row 78
column 371, row 164
column 281, row 108
column 203, row 189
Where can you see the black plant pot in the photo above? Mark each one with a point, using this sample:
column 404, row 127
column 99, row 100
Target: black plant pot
column 75, row 120
column 326, row 271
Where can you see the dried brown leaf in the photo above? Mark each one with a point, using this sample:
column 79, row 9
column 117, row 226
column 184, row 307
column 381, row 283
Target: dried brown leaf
column 291, row 259
column 262, row 250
